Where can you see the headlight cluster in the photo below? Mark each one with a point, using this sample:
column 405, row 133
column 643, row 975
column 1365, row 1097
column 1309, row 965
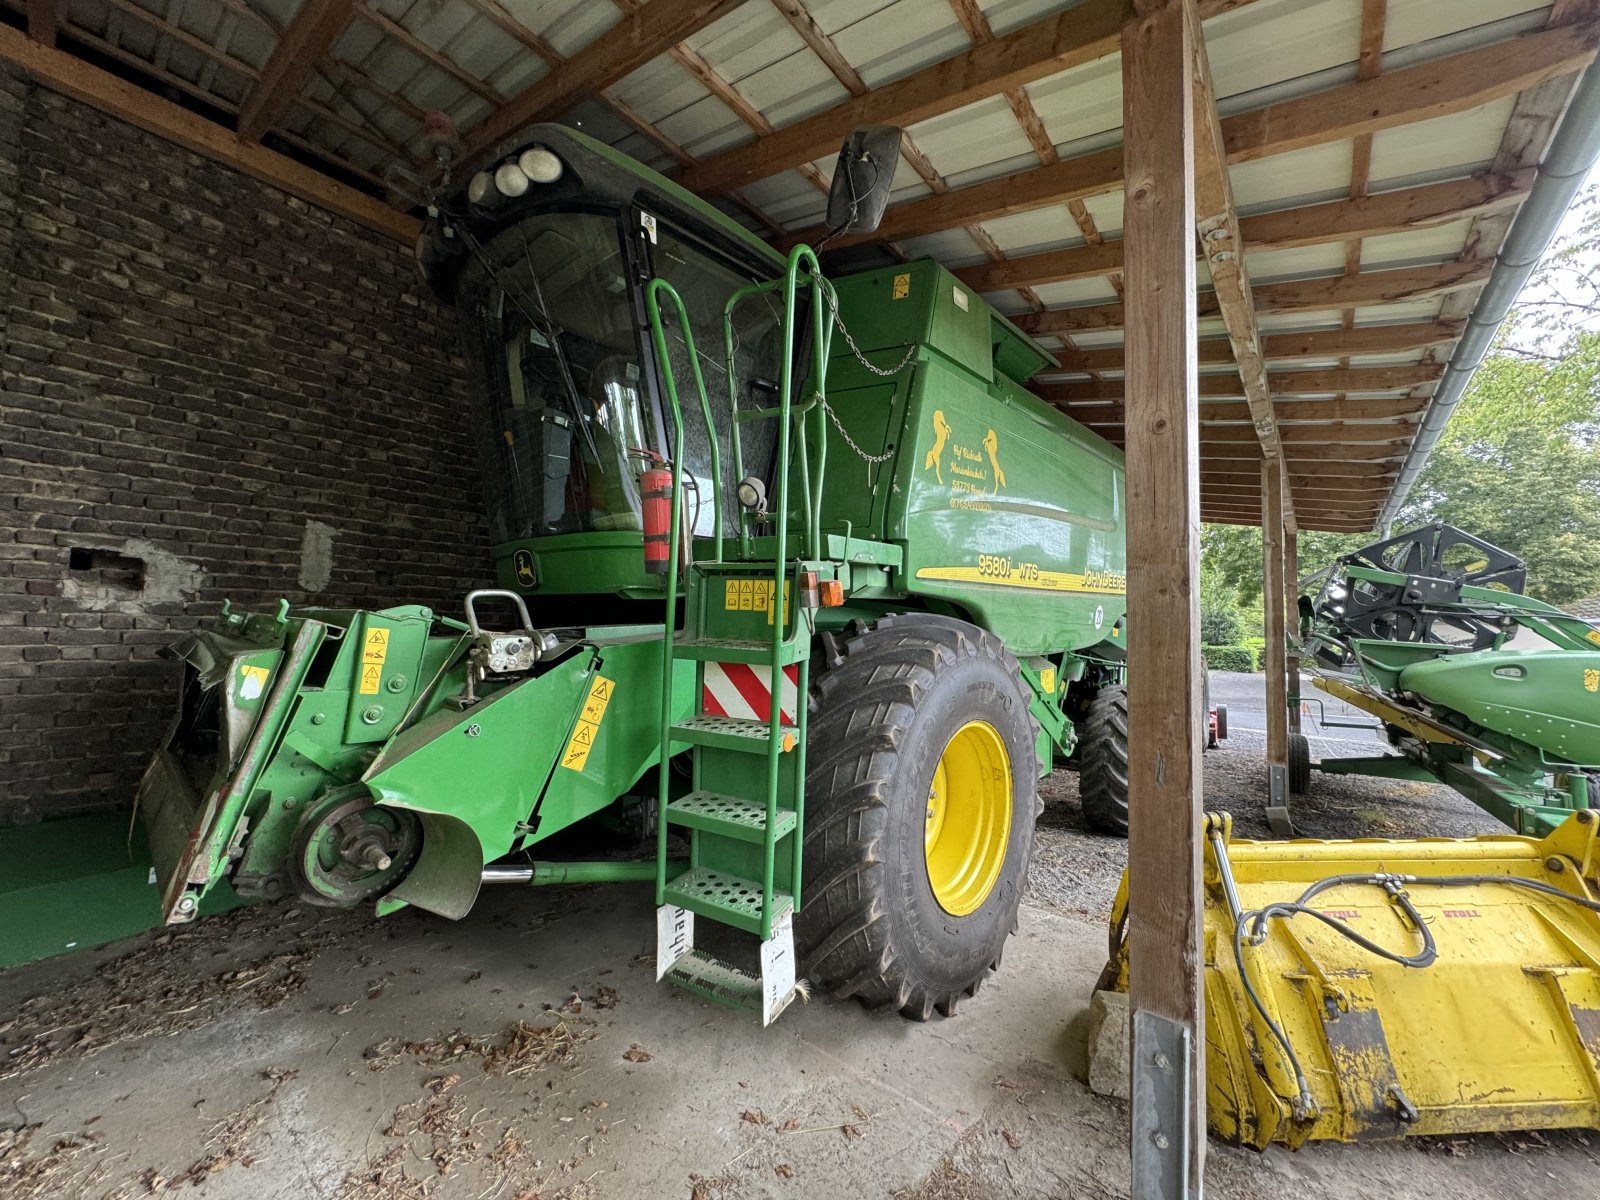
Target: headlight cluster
column 512, row 178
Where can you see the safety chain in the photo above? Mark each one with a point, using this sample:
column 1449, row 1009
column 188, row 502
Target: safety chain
column 833, row 304
column 850, row 441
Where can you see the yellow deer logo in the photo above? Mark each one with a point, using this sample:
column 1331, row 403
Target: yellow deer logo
column 941, row 434
column 991, row 443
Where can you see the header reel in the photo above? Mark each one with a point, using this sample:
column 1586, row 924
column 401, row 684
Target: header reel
column 1437, row 562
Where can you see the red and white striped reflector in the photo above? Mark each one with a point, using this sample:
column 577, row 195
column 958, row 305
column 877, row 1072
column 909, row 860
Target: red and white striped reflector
column 745, row 691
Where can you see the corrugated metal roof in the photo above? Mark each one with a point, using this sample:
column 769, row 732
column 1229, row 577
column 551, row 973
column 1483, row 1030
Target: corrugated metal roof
column 360, row 112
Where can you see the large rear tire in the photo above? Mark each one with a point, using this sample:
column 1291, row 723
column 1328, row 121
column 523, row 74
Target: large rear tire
column 921, row 798
column 1299, row 764
column 1103, row 777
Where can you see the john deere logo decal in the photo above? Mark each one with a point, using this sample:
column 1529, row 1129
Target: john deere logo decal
column 523, row 562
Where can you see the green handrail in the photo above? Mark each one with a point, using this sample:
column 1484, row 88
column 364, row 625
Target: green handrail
column 810, row 531
column 652, row 293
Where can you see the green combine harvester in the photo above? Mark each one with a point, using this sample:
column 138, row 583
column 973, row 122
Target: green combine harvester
column 1415, row 631
column 794, row 575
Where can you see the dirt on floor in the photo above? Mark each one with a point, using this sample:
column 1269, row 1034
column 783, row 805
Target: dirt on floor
column 527, row 1053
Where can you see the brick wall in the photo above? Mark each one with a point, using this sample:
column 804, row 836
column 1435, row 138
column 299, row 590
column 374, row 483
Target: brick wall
column 208, row 389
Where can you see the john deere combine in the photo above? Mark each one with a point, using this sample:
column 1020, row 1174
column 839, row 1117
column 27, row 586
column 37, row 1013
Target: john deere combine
column 793, row 572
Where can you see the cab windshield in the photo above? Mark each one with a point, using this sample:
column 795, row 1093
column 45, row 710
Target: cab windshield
column 565, row 419
column 552, row 353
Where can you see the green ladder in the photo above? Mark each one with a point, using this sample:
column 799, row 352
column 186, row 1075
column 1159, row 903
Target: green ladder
column 747, row 639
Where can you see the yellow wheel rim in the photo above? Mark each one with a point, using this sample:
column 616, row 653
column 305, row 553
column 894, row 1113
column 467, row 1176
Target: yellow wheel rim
column 969, row 818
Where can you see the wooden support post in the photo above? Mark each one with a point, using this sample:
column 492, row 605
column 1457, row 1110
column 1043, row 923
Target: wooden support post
column 1168, row 1133
column 1275, row 667
column 1291, row 579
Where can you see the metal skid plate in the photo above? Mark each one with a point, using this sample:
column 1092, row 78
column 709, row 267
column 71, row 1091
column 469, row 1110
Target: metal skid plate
column 1161, row 1074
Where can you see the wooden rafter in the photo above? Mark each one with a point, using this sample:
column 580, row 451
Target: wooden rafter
column 1300, row 295
column 650, row 30
column 1277, row 347
column 1081, row 34
column 1283, row 383
column 519, row 32
column 303, row 44
column 1447, row 85
column 1389, row 212
column 129, row 102
column 1217, row 222
column 1430, row 89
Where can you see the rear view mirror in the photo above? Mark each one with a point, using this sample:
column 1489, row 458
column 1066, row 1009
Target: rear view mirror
column 862, row 179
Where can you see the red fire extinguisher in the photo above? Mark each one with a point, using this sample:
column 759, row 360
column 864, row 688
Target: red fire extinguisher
column 655, row 494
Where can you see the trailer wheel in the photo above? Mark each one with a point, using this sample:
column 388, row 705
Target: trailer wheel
column 1103, row 777
column 1299, row 764
column 921, row 798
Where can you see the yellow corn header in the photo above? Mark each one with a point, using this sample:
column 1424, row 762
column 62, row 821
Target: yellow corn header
column 1375, row 989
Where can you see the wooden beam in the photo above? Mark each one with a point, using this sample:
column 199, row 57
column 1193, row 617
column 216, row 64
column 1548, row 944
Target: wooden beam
column 126, row 101
column 1370, row 287
column 1455, row 83
column 1329, row 433
column 1295, row 454
column 1288, row 412
column 1281, row 383
column 1272, row 610
column 1338, row 472
column 1326, row 343
column 1163, row 510
column 304, row 44
column 1398, row 211
column 43, row 21
column 639, row 36
column 1386, row 213
column 1081, row 34
column 1301, row 295
column 1429, row 89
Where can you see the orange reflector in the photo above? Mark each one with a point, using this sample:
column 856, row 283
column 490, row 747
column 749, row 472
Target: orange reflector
column 832, row 593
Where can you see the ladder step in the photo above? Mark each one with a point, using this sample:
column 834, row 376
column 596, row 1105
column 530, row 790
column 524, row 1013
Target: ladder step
column 730, row 899
column 725, row 983
column 732, row 733
column 731, row 816
column 754, row 651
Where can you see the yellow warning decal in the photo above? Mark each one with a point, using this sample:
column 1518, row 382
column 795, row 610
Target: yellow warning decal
column 1594, row 636
column 588, row 727
column 252, row 681
column 753, row 595
column 1591, row 679
column 373, row 651
column 902, row 286
column 1047, row 680
column 1002, row 572
column 766, row 600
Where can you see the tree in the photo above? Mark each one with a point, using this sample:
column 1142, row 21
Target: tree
column 1519, row 466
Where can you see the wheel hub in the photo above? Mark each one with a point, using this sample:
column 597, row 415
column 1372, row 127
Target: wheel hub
column 347, row 849
column 969, row 818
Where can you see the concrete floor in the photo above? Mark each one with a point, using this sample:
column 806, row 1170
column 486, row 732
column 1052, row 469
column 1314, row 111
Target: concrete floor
column 258, row 1056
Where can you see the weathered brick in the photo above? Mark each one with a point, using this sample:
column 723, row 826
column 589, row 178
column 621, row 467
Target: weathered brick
column 192, row 359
